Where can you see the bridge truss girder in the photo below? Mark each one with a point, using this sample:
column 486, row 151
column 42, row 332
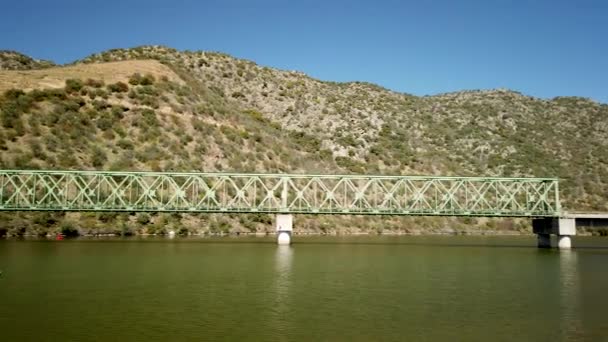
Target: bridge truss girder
column 277, row 193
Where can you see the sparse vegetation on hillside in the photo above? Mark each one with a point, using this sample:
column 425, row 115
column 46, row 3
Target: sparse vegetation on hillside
column 211, row 112
column 12, row 60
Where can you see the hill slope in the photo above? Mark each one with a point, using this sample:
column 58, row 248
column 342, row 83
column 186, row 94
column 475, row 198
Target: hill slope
column 208, row 111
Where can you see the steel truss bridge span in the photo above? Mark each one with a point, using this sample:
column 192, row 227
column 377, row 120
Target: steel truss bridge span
column 43, row 190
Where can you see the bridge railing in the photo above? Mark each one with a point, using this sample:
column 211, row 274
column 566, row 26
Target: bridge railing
column 277, row 193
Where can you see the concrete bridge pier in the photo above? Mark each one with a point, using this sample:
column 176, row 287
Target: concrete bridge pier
column 564, row 228
column 284, row 227
column 564, row 242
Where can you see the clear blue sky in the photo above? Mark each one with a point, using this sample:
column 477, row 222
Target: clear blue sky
column 541, row 48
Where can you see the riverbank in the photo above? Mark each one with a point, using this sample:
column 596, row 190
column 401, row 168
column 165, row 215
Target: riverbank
column 51, row 224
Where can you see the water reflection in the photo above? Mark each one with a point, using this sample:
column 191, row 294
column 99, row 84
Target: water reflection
column 283, row 262
column 282, row 286
column 571, row 325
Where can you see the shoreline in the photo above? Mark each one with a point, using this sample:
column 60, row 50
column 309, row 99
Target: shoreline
column 273, row 234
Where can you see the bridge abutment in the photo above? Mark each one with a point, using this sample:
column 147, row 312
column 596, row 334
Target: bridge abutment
column 563, row 228
column 284, row 228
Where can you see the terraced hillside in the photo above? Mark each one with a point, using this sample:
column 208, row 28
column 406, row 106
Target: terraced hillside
column 156, row 108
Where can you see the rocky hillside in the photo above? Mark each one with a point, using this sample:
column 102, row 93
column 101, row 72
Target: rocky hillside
column 195, row 111
column 13, row 60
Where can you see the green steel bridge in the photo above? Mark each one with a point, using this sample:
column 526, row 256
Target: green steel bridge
column 45, row 190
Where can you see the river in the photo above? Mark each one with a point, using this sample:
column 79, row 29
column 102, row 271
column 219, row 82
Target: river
column 380, row 288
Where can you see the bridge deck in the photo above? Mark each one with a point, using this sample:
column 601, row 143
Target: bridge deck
column 583, row 215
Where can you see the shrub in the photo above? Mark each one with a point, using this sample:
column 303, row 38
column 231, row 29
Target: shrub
column 13, row 94
column 107, row 217
column 125, row 230
column 135, row 79
column 349, row 164
column 36, row 149
column 148, row 79
column 101, row 105
column 104, row 122
column 125, row 144
column 138, row 79
column 102, row 93
column 98, row 158
column 143, row 219
column 68, row 229
column 73, row 85
column 150, row 117
column 10, row 115
column 117, row 112
column 147, row 90
column 48, row 94
column 150, row 102
column 118, row 87
column 94, row 83
column 121, row 164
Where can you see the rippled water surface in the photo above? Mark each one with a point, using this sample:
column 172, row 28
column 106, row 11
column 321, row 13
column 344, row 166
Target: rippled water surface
column 320, row 288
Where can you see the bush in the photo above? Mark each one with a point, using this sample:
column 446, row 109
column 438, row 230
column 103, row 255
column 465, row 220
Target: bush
column 68, row 229
column 147, row 90
column 94, row 83
column 10, row 115
column 150, row 102
column 98, row 158
column 13, row 94
column 125, row 144
column 125, row 230
column 101, row 105
column 45, row 219
column 147, row 80
column 118, row 112
column 104, row 122
column 143, row 219
column 135, row 79
column 73, row 85
column 149, row 117
column 107, row 217
column 138, row 79
column 118, row 87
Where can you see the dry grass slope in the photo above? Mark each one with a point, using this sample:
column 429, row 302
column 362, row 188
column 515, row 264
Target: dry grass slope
column 108, row 72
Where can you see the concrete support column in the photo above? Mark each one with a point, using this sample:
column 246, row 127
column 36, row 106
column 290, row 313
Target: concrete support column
column 284, row 227
column 564, row 228
column 564, row 242
column 544, row 240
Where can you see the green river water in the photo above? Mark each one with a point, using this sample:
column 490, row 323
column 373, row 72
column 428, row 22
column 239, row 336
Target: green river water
column 379, row 288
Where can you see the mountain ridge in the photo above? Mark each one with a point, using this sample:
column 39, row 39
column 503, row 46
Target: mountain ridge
column 6, row 54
